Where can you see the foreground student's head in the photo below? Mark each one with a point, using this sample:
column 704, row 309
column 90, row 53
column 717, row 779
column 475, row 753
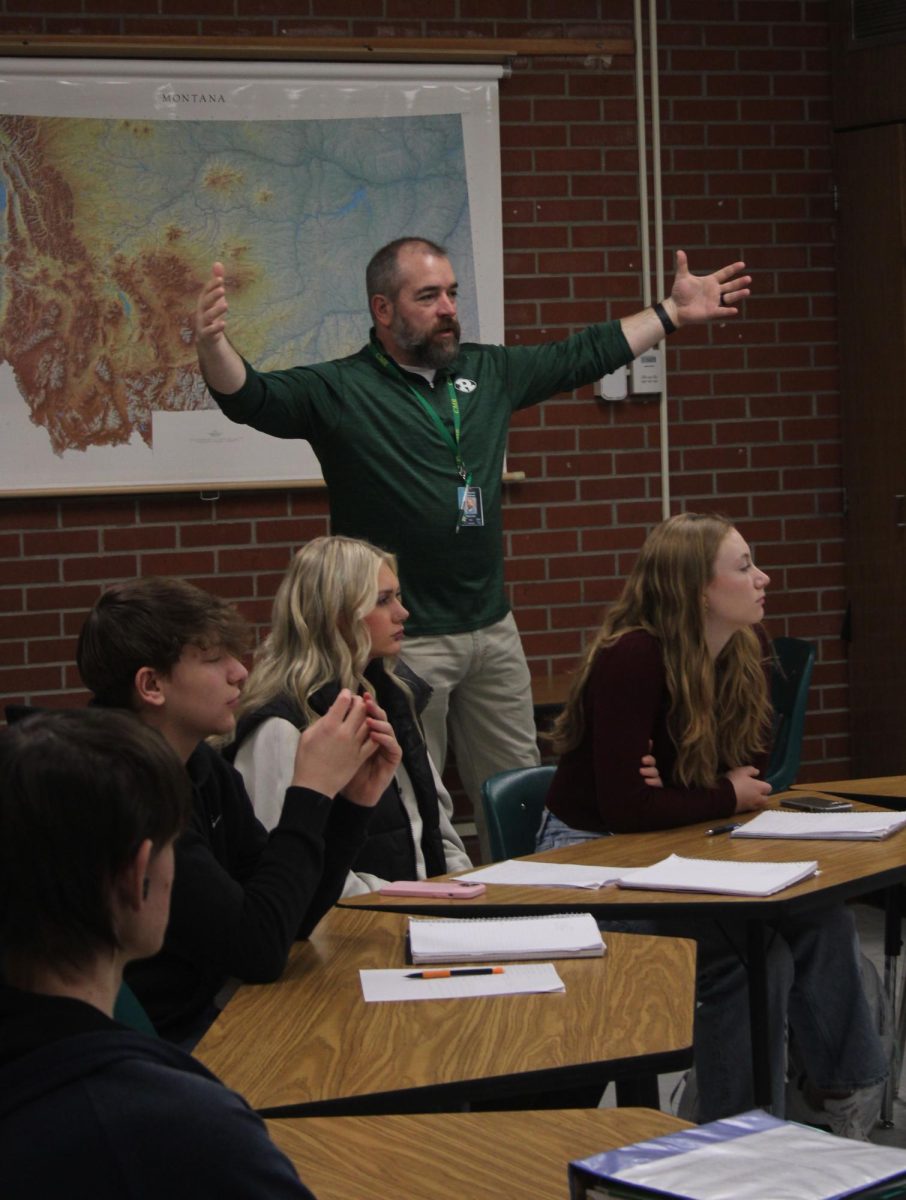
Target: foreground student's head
column 90, row 802
column 170, row 652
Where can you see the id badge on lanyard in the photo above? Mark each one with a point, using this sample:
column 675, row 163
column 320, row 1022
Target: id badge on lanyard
column 471, row 512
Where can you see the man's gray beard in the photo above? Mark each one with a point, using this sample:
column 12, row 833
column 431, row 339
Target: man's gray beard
column 437, row 356
column 424, row 351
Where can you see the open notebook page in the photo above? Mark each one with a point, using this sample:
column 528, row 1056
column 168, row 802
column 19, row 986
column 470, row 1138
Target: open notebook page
column 525, row 873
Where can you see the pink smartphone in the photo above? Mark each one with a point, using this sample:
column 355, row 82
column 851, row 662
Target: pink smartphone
column 424, row 887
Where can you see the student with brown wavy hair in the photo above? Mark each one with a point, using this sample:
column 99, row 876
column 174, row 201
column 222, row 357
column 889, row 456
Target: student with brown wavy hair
column 680, row 668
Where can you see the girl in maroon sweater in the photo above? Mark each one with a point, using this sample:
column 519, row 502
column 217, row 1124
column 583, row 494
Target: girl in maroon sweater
column 680, row 668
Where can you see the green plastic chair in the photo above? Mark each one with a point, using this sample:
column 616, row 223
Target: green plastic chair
column 790, row 680
column 129, row 1010
column 513, row 802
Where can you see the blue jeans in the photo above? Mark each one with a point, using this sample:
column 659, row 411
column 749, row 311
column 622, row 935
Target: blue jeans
column 814, row 983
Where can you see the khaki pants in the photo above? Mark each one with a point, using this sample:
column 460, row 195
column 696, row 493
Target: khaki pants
column 483, row 698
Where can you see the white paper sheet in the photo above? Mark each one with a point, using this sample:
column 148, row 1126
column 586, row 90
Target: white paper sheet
column 516, row 979
column 543, row 874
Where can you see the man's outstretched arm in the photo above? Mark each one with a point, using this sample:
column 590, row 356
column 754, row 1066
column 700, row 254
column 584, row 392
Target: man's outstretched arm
column 221, row 366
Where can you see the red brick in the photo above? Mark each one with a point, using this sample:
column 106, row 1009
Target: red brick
column 51, row 650
column 21, row 625
column 112, row 567
column 29, row 514
column 62, row 542
column 12, row 653
column 586, row 515
column 217, row 533
column 29, row 679
column 180, row 564
column 516, row 569
column 140, row 537
column 63, row 596
column 564, row 542
column 29, row 570
column 225, row 585
column 115, row 510
column 255, row 558
column 552, row 643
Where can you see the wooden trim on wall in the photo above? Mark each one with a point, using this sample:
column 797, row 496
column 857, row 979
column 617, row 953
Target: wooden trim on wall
column 337, row 49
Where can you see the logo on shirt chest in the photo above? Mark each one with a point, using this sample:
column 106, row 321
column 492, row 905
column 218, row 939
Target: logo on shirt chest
column 465, row 385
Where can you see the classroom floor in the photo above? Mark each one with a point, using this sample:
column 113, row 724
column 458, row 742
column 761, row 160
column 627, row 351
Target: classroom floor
column 870, row 923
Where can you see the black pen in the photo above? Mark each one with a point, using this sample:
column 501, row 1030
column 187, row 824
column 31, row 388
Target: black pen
column 723, row 829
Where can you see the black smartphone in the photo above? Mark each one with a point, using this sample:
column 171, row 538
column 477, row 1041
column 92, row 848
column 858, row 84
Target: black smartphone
column 816, row 803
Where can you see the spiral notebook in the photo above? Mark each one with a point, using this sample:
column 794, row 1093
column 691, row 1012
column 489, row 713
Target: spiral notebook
column 676, row 874
column 842, row 826
column 512, row 939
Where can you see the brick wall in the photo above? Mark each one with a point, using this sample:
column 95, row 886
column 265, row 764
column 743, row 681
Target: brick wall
column 754, row 407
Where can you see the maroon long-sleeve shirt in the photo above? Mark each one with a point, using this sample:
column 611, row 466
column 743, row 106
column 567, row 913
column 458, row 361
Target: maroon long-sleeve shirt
column 597, row 786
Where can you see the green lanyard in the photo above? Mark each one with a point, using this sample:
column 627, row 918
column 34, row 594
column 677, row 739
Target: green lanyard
column 452, row 442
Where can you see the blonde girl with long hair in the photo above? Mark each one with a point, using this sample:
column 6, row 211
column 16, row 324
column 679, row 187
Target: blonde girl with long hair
column 680, row 671
column 338, row 622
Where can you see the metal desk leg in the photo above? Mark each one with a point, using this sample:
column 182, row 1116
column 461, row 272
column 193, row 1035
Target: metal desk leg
column 759, row 1016
column 893, row 942
column 640, row 1091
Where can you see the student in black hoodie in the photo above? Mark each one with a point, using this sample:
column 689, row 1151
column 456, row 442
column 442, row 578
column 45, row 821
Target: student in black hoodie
column 169, row 652
column 90, row 804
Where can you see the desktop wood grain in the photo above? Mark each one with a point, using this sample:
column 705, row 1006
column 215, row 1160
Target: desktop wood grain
column 474, row 1155
column 311, row 1037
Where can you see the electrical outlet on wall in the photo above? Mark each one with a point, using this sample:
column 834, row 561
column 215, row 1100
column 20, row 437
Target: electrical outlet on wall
column 613, row 386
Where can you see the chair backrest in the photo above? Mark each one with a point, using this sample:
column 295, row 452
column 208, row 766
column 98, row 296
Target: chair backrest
column 513, row 802
column 128, row 1010
column 790, row 680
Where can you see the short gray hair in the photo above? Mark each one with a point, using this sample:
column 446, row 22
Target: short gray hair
column 382, row 273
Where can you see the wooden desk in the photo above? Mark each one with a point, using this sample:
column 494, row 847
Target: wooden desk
column 889, row 791
column 481, row 1156
column 310, row 1045
column 846, row 869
